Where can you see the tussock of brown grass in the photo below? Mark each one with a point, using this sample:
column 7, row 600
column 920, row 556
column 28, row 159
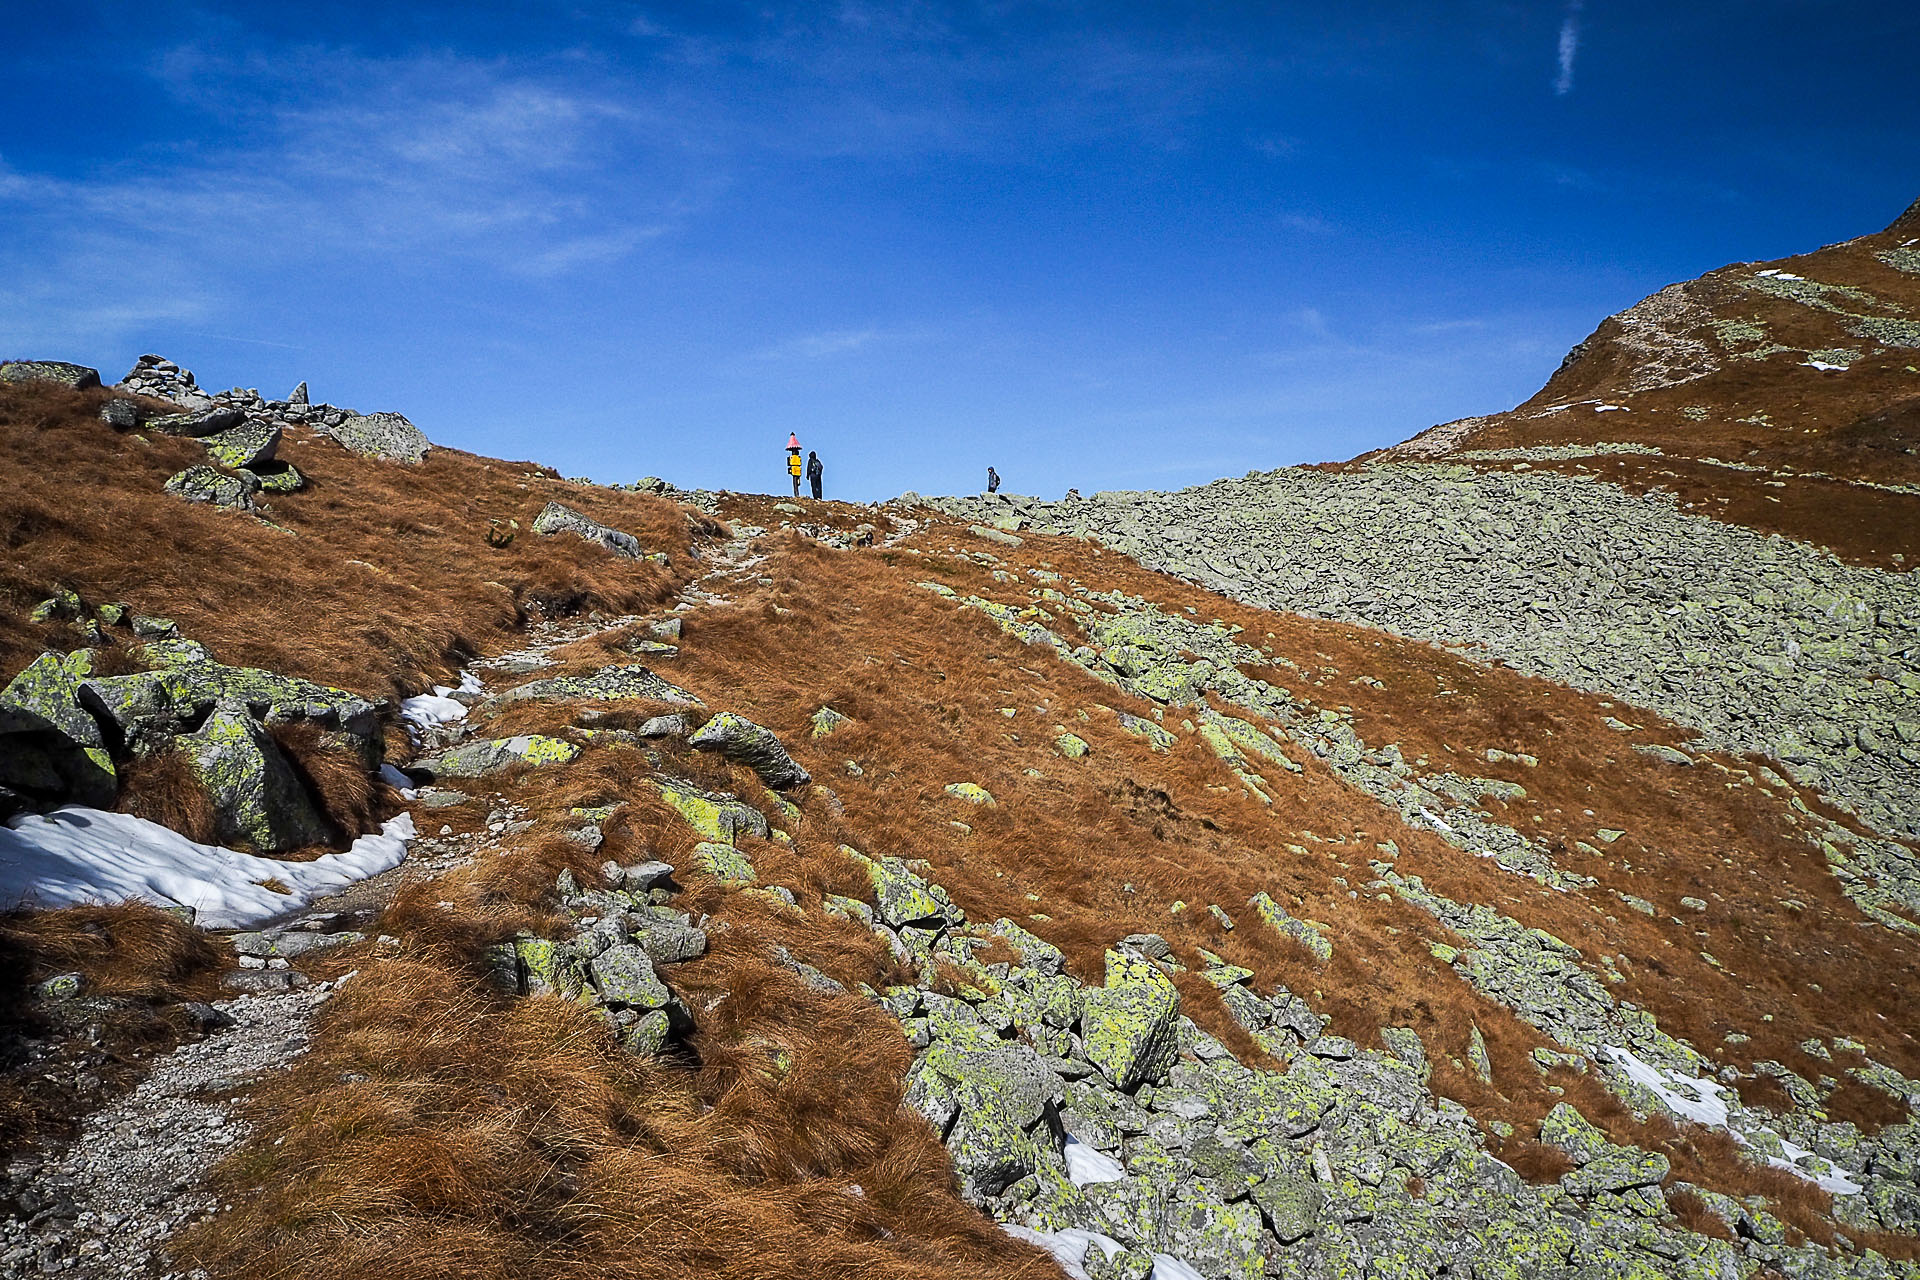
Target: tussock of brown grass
column 1694, row 1215
column 131, row 951
column 348, row 796
column 1537, row 1162
column 163, row 788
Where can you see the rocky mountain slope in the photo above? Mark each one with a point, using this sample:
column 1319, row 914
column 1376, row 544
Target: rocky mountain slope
column 1475, row 860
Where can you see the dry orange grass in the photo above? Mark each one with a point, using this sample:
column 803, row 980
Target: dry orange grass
column 379, row 578
column 1109, row 845
column 440, row 1129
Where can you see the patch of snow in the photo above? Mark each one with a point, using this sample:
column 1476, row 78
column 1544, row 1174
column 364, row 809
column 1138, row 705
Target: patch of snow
column 1168, row 1267
column 1702, row 1107
column 1707, row 1109
column 398, row 781
column 1778, row 274
column 1436, row 822
column 1086, row 1165
column 431, row 710
column 1611, row 408
column 1824, row 367
column 1825, row 1174
column 1069, row 1247
column 76, row 855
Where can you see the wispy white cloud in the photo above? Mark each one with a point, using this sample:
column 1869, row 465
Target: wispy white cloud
column 1569, row 48
column 820, row 346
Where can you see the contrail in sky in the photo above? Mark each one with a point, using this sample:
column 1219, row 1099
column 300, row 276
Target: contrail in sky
column 1569, row 46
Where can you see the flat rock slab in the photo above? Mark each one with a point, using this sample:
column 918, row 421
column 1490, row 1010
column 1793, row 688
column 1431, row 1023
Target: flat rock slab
column 489, row 756
column 217, row 488
column 382, row 435
column 558, row 518
column 632, row 682
column 198, row 423
column 76, row 376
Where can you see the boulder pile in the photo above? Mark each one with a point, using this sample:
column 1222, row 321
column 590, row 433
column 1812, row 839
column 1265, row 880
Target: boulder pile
column 66, row 731
column 242, row 431
column 1764, row 645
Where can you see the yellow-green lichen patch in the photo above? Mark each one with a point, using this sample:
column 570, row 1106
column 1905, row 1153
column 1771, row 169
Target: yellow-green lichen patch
column 1129, row 1024
column 1276, row 917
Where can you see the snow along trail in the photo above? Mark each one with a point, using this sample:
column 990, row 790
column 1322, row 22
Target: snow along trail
column 75, row 855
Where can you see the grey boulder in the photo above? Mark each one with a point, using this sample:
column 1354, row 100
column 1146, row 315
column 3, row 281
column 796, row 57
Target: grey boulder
column 219, row 488
column 558, row 518
column 740, row 740
column 76, row 376
column 51, row 750
column 244, row 445
column 198, row 423
column 257, row 798
column 121, row 415
column 382, row 435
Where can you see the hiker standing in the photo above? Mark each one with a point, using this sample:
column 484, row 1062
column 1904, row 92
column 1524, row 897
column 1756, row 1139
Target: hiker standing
column 793, row 461
column 814, row 472
column 993, row 480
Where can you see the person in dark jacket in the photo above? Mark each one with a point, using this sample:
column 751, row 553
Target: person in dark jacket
column 993, row 480
column 814, row 472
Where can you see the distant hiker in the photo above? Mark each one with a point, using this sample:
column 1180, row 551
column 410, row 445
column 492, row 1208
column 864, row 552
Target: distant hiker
column 993, row 480
column 793, row 461
column 814, row 471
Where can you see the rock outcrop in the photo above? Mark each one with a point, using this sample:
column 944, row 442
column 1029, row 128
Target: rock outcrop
column 558, row 518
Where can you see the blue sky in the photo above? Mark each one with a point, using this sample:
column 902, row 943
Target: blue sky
column 1098, row 245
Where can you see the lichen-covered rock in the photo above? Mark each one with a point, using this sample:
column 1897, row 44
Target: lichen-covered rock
column 52, row 751
column 825, row 721
column 558, row 518
column 723, row 862
column 1035, row 953
column 990, row 534
column 624, row 977
column 740, row 740
column 903, row 898
column 121, row 414
column 197, row 422
column 202, row 483
column 987, row 1098
column 1276, row 917
column 492, row 755
column 382, row 435
column 143, row 711
column 1130, row 1024
column 251, row 443
column 669, row 937
column 257, row 798
column 631, row 682
column 278, row 477
column 1072, row 746
column 1157, row 738
column 75, row 376
column 971, row 792
column 716, row 817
